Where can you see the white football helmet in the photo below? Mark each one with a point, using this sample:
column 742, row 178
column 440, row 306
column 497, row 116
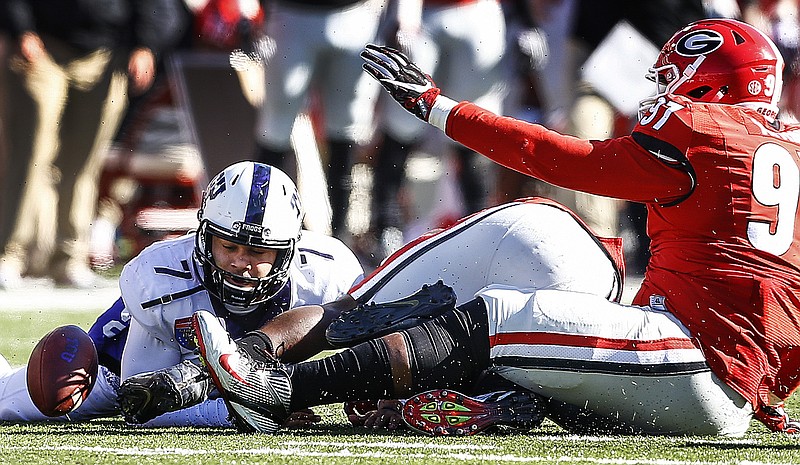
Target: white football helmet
column 251, row 204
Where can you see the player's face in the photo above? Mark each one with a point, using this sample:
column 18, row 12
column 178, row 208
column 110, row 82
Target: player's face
column 242, row 260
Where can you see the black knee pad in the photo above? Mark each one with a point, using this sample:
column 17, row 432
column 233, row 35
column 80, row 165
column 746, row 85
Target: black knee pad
column 451, row 350
column 362, row 372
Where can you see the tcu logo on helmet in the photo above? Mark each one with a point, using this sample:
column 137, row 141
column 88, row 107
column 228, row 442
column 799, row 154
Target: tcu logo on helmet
column 295, row 203
column 216, row 186
column 699, row 43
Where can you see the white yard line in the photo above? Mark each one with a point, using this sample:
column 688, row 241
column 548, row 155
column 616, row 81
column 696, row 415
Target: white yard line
column 38, row 296
column 345, row 451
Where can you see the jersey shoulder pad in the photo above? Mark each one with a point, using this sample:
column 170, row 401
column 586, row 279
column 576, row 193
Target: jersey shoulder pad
column 323, row 268
column 666, row 130
column 162, row 268
column 162, row 274
column 315, row 246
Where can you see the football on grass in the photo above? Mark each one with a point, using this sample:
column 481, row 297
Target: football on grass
column 62, row 370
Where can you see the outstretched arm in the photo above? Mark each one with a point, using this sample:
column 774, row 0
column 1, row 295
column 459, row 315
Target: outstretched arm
column 619, row 168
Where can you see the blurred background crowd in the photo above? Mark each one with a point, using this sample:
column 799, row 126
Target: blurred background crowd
column 114, row 113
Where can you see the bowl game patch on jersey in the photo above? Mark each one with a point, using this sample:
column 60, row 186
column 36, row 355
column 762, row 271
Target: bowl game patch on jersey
column 184, row 333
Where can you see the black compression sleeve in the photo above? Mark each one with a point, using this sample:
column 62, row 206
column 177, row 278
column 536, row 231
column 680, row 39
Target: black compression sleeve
column 450, row 351
column 360, row 373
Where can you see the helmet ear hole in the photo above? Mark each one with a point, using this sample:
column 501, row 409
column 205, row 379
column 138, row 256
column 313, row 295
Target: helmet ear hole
column 699, row 92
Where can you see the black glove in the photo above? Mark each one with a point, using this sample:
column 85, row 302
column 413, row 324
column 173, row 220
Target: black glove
column 403, row 79
column 147, row 395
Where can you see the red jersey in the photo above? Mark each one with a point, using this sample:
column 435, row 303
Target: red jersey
column 722, row 186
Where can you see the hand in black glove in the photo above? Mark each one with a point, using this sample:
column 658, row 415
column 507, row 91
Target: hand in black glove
column 414, row 89
column 147, row 395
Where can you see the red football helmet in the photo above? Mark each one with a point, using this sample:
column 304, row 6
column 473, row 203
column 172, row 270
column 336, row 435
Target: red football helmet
column 720, row 61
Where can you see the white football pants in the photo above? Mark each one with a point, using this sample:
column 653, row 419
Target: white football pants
column 525, row 244
column 637, row 365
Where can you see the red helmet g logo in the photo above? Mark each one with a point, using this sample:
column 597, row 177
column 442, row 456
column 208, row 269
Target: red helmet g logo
column 698, row 43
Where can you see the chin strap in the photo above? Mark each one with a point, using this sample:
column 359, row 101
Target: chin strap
column 236, row 310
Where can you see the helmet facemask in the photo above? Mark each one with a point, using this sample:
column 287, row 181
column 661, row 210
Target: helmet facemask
column 239, row 293
column 667, row 79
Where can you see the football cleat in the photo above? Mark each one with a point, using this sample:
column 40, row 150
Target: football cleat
column 257, row 393
column 373, row 320
column 248, row 420
column 442, row 412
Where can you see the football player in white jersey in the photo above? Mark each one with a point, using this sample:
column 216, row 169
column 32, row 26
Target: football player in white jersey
column 314, row 60
column 443, row 36
column 248, row 261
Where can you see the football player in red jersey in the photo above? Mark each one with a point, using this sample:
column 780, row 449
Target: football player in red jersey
column 720, row 176
column 713, row 335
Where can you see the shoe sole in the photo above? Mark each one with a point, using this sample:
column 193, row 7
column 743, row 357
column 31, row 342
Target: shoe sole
column 443, row 412
column 370, row 321
column 250, row 421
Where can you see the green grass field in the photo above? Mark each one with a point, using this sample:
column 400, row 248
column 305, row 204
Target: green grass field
column 110, row 441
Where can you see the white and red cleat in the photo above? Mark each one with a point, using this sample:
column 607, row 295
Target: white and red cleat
column 257, row 393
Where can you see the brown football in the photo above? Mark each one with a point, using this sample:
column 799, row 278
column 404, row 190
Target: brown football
column 62, row 370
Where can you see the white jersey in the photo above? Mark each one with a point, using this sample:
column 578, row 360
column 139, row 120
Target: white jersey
column 162, row 287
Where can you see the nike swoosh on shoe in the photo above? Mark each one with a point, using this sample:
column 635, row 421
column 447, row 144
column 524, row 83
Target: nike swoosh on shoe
column 223, row 362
